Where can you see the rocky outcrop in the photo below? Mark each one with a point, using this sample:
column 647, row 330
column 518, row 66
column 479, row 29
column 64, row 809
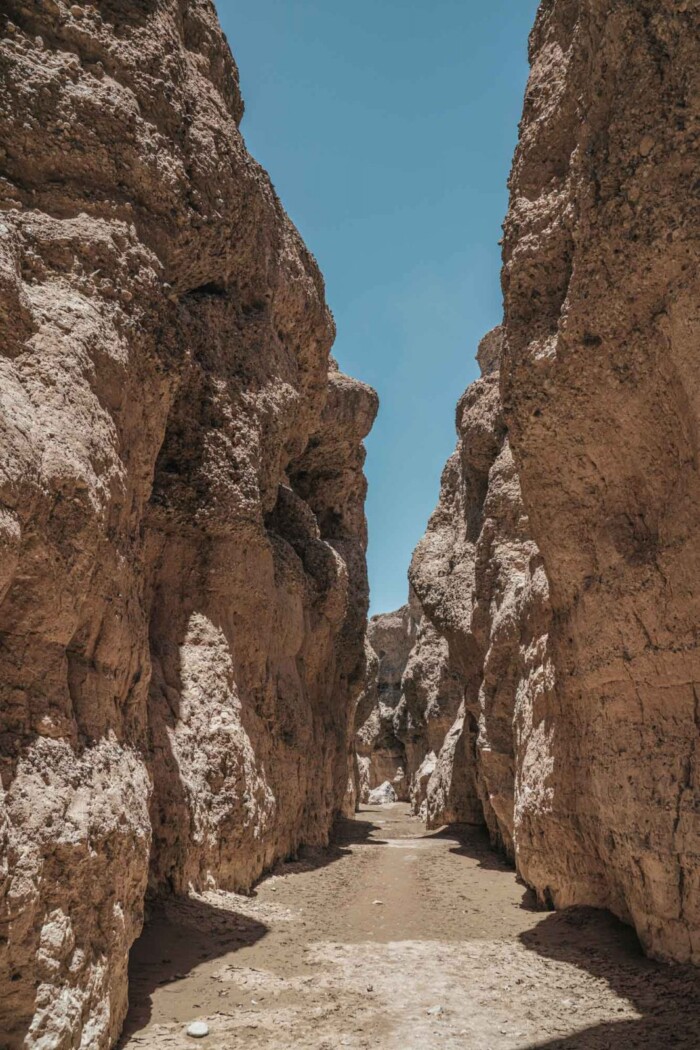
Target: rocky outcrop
column 560, row 564
column 182, row 579
column 406, row 709
column 601, row 395
column 381, row 756
column 479, row 580
column 431, row 695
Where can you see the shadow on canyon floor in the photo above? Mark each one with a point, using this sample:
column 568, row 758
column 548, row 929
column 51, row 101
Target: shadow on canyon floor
column 666, row 997
column 473, row 841
column 346, row 834
column 180, row 934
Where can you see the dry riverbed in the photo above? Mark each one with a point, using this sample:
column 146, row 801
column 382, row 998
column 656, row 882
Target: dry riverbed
column 400, row 939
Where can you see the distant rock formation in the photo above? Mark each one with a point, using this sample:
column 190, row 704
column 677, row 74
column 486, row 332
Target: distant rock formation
column 381, row 756
column 183, row 591
column 408, row 705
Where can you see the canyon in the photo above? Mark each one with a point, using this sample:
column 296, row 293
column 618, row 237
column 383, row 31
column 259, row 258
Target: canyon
column 191, row 695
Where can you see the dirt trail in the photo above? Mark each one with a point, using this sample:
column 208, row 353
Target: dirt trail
column 400, row 939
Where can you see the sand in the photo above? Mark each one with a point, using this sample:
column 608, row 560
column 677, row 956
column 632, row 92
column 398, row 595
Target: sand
column 400, row 938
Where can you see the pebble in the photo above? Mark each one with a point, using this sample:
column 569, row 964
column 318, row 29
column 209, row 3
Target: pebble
column 377, row 902
column 646, row 145
column 198, row 1029
column 435, row 1011
column 76, row 11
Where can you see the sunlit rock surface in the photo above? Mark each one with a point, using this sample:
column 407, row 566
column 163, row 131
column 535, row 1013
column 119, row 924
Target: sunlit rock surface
column 182, row 578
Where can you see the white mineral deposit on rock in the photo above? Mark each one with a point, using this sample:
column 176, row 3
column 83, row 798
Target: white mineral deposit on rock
column 384, row 795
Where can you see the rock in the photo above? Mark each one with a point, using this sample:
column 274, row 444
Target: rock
column 559, row 567
column 381, row 755
column 478, row 579
column 198, row 1029
column 384, row 795
column 183, row 590
column 601, row 401
column 435, row 1011
column 410, row 700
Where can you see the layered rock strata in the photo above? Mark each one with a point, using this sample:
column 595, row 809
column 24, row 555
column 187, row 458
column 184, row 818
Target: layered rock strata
column 182, row 579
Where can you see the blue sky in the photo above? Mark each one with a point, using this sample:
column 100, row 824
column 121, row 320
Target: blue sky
column 387, row 127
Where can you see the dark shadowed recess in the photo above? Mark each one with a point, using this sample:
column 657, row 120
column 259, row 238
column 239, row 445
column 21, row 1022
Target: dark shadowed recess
column 667, row 997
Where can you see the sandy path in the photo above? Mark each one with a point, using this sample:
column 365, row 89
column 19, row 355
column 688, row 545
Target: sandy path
column 453, row 956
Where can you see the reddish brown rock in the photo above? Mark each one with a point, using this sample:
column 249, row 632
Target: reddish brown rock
column 560, row 564
column 182, row 580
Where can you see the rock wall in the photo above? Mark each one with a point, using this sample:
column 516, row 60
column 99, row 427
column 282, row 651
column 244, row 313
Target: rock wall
column 182, row 579
column 560, row 566
column 431, row 695
column 601, row 389
column 478, row 577
column 409, row 703
column 381, row 755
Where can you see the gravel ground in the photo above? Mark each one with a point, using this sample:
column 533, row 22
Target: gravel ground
column 400, row 939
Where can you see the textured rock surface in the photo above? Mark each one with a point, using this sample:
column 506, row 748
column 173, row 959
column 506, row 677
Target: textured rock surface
column 479, row 579
column 381, row 755
column 560, row 566
column 182, row 578
column 431, row 695
column 601, row 387
column 409, row 703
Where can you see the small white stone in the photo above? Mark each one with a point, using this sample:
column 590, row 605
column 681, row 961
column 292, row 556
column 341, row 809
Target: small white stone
column 435, row 1011
column 198, row 1029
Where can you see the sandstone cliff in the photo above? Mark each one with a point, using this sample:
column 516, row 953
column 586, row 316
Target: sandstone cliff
column 408, row 705
column 601, row 389
column 182, row 578
column 561, row 564
column 479, row 580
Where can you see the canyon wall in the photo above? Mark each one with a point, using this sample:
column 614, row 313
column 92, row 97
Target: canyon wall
column 183, row 590
column 601, row 394
column 411, row 698
column 479, row 579
column 561, row 565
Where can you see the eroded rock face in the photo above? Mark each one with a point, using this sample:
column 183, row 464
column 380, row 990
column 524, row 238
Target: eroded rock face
column 601, row 383
column 408, row 705
column 182, row 579
column 479, row 579
column 381, row 756
column 560, row 566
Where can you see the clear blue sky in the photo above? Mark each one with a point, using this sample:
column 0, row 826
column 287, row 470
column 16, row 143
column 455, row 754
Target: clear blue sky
column 387, row 127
